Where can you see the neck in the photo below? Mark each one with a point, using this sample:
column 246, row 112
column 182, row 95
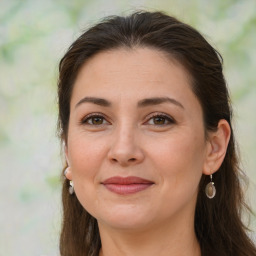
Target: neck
column 171, row 238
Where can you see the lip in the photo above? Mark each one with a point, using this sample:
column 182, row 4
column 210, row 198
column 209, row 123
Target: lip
column 126, row 185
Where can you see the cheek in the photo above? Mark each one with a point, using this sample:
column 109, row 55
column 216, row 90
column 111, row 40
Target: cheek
column 179, row 150
column 179, row 162
column 86, row 156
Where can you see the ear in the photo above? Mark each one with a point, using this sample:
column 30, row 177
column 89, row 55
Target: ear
column 65, row 150
column 217, row 144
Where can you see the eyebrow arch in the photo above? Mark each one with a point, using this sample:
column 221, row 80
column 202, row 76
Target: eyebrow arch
column 158, row 100
column 94, row 100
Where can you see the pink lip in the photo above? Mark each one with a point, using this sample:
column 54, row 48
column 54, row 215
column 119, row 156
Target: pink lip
column 126, row 185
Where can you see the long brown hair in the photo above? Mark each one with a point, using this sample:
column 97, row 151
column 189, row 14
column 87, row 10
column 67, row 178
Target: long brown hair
column 218, row 225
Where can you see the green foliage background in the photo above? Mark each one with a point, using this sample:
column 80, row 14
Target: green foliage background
column 33, row 37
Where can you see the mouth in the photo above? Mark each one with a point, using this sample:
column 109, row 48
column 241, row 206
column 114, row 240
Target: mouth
column 126, row 185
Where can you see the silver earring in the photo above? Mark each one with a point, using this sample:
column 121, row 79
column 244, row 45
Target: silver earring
column 71, row 187
column 65, row 172
column 210, row 189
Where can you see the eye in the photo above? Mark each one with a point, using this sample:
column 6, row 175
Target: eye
column 95, row 120
column 160, row 120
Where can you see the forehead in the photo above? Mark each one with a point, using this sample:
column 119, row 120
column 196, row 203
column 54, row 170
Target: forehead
column 141, row 61
column 132, row 73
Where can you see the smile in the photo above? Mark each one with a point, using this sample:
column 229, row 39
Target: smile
column 126, row 185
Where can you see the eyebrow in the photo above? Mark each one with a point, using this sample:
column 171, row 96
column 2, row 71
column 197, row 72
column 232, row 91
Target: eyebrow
column 157, row 101
column 94, row 100
column 141, row 103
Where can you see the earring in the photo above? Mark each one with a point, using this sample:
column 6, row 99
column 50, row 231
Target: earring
column 65, row 172
column 210, row 189
column 71, row 187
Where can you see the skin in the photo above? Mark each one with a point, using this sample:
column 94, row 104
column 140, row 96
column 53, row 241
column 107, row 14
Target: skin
column 128, row 141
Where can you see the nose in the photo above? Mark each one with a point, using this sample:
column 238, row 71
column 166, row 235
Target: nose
column 125, row 149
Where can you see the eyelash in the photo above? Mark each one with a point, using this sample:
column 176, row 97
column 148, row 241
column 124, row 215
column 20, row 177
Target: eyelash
column 84, row 121
column 167, row 118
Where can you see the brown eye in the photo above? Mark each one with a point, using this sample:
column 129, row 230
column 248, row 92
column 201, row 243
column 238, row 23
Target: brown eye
column 160, row 120
column 94, row 120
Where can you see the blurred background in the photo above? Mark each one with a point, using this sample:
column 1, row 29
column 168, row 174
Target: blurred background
column 34, row 35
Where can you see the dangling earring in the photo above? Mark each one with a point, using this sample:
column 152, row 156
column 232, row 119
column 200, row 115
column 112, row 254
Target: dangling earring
column 71, row 187
column 210, row 189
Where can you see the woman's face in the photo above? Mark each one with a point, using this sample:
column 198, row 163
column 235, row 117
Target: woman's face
column 134, row 117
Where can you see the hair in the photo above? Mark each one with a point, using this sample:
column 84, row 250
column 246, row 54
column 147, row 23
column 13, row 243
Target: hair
column 218, row 222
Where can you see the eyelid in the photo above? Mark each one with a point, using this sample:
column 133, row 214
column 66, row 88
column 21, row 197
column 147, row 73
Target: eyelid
column 89, row 116
column 170, row 119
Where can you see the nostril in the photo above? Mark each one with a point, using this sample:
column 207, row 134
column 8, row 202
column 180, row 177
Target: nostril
column 132, row 159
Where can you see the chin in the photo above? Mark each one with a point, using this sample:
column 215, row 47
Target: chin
column 125, row 218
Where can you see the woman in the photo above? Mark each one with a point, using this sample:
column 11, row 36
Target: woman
column 145, row 118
